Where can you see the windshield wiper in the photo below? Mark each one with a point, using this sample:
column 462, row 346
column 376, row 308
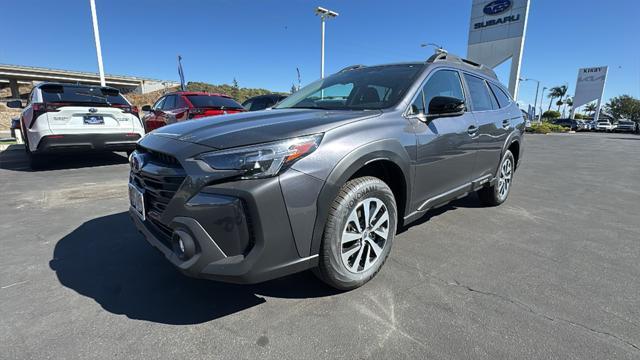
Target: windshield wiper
column 95, row 96
column 310, row 107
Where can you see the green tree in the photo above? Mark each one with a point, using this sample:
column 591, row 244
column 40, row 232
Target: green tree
column 235, row 93
column 624, row 107
column 550, row 114
column 591, row 108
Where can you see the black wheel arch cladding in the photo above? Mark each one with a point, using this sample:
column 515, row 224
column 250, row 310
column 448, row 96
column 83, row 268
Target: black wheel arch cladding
column 387, row 149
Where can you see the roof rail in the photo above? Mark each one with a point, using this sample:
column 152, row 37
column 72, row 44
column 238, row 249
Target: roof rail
column 466, row 62
column 352, row 67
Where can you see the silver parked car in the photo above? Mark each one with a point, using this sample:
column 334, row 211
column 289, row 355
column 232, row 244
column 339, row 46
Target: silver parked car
column 626, row 126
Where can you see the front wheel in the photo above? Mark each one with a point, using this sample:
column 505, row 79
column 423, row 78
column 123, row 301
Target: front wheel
column 497, row 194
column 359, row 233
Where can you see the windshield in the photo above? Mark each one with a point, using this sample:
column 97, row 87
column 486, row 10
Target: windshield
column 81, row 94
column 210, row 101
column 365, row 88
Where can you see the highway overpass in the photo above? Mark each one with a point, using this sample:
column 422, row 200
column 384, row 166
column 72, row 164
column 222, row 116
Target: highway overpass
column 12, row 75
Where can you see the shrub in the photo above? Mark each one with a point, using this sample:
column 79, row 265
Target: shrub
column 545, row 128
column 551, row 114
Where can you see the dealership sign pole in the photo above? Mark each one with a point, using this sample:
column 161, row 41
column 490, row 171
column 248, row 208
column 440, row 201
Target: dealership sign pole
column 496, row 34
column 96, row 36
column 590, row 87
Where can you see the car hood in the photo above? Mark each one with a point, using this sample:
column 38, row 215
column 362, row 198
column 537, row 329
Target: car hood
column 248, row 128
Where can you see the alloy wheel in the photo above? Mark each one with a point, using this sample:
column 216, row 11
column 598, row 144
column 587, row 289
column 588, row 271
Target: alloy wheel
column 365, row 235
column 504, row 182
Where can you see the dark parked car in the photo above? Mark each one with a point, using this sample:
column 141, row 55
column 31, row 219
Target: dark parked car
column 326, row 178
column 186, row 105
column 262, row 102
column 570, row 124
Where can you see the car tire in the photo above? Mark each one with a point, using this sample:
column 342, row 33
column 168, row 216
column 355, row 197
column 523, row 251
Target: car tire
column 499, row 192
column 36, row 161
column 354, row 247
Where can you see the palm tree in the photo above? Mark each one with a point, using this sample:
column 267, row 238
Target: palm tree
column 591, row 108
column 569, row 102
column 557, row 92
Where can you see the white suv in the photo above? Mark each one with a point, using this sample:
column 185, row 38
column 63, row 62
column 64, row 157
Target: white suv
column 70, row 117
column 604, row 125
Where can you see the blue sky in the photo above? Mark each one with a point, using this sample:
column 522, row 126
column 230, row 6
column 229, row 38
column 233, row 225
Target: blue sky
column 261, row 43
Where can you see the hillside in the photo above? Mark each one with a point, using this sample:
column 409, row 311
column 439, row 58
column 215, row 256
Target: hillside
column 240, row 94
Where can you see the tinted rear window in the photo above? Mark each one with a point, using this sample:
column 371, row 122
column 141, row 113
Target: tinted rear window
column 480, row 97
column 81, row 94
column 503, row 99
column 207, row 101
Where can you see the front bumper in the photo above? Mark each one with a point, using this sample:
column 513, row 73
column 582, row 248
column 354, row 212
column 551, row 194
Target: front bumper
column 240, row 230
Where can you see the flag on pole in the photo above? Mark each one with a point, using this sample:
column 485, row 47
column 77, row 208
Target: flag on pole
column 181, row 74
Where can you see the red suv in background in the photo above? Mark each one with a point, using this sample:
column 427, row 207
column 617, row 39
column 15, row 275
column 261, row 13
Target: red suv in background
column 186, row 105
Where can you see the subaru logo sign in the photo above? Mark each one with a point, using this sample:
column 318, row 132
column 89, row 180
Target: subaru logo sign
column 497, row 7
column 92, row 110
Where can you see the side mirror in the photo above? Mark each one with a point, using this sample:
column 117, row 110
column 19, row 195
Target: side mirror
column 446, row 106
column 15, row 104
column 146, row 108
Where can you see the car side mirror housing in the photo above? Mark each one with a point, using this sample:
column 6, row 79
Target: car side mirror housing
column 15, row 104
column 146, row 108
column 445, row 106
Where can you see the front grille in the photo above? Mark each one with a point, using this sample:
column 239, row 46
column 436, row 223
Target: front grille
column 159, row 184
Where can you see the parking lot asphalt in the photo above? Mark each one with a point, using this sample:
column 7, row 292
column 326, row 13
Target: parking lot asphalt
column 552, row 273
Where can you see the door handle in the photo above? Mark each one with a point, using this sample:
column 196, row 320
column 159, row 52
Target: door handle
column 472, row 130
column 506, row 124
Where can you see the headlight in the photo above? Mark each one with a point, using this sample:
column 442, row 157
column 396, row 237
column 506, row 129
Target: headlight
column 262, row 160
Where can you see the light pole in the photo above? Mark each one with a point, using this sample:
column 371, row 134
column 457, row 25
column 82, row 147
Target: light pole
column 324, row 14
column 535, row 102
column 96, row 36
column 541, row 98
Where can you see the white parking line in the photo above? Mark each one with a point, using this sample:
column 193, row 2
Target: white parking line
column 14, row 284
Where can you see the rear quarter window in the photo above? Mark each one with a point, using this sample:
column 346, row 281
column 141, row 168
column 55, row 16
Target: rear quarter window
column 503, row 99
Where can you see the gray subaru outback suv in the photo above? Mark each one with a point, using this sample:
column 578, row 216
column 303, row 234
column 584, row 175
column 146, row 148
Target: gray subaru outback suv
column 323, row 180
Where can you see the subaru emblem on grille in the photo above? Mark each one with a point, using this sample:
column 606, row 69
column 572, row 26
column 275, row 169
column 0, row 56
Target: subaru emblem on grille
column 92, row 110
column 137, row 162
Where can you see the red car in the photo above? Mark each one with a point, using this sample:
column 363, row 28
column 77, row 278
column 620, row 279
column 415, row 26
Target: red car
column 186, row 105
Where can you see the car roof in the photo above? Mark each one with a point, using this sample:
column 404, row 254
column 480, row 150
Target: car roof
column 441, row 58
column 75, row 85
column 204, row 93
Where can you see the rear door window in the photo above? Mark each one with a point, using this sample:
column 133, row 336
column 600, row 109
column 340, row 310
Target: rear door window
column 481, row 99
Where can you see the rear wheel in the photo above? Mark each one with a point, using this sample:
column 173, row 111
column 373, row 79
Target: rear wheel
column 36, row 161
column 359, row 233
column 498, row 193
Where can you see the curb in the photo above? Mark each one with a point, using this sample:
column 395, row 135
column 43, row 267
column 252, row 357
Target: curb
column 4, row 147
